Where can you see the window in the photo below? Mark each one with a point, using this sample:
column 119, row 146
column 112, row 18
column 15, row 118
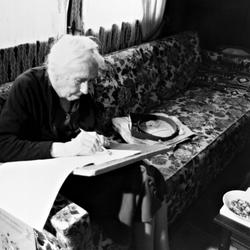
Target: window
column 96, row 14
column 25, row 21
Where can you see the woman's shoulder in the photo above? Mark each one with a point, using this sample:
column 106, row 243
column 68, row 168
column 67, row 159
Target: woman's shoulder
column 36, row 73
column 30, row 81
column 31, row 78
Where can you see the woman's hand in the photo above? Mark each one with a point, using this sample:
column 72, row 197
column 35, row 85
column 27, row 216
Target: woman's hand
column 85, row 143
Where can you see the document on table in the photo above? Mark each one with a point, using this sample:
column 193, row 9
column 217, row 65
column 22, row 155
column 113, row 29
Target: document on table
column 28, row 188
column 14, row 234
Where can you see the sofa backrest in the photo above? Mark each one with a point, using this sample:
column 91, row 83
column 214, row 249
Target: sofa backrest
column 141, row 77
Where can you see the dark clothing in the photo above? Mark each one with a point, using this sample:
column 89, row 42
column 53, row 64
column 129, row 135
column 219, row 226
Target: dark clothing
column 31, row 118
column 34, row 117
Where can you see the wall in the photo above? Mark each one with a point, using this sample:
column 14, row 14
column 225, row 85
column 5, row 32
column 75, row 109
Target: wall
column 219, row 22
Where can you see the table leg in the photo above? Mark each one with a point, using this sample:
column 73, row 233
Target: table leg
column 225, row 240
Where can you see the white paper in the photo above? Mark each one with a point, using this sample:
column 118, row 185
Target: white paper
column 14, row 234
column 28, row 188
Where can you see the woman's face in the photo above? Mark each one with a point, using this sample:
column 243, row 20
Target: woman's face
column 72, row 86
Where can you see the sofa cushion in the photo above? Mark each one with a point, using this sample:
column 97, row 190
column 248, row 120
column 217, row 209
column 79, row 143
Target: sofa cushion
column 220, row 119
column 141, row 77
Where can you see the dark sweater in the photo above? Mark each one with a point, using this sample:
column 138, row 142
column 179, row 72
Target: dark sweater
column 27, row 121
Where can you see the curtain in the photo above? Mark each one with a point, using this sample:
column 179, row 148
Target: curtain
column 153, row 11
column 96, row 13
column 119, row 23
column 28, row 21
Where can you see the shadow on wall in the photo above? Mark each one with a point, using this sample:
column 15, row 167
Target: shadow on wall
column 220, row 23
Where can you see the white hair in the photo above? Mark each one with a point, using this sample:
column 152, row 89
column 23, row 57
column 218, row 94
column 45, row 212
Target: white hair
column 71, row 52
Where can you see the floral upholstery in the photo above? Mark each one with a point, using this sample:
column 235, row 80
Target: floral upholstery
column 74, row 230
column 46, row 241
column 141, row 77
column 212, row 100
column 220, row 119
column 208, row 92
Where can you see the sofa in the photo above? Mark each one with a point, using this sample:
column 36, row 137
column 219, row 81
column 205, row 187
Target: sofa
column 207, row 91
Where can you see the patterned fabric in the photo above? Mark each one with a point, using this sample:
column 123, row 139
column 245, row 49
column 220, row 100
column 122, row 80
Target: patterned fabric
column 72, row 227
column 46, row 241
column 75, row 231
column 141, row 77
column 162, row 76
column 220, row 119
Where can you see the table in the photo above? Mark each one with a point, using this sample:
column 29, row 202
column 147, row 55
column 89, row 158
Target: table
column 233, row 233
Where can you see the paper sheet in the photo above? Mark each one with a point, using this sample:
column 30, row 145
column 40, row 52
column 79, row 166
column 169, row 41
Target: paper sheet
column 28, row 188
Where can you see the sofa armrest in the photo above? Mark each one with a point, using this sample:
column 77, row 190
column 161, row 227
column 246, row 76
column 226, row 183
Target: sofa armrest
column 72, row 225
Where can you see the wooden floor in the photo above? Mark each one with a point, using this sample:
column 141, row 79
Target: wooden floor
column 195, row 230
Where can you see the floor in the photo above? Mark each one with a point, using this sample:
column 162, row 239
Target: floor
column 196, row 230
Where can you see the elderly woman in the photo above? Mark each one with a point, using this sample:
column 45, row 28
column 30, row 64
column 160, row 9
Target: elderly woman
column 47, row 108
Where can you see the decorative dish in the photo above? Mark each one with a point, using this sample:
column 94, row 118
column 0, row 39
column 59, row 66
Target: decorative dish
column 238, row 203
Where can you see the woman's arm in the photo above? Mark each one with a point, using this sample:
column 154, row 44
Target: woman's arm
column 14, row 118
